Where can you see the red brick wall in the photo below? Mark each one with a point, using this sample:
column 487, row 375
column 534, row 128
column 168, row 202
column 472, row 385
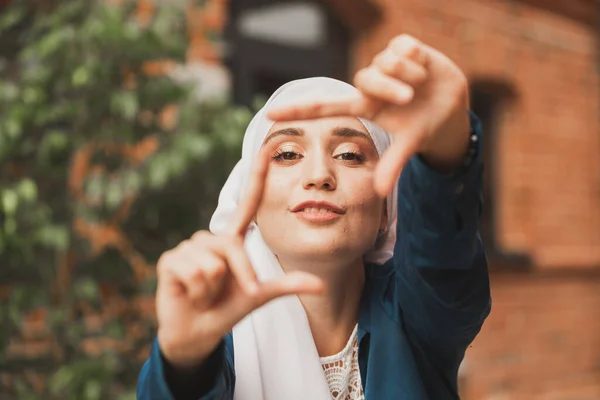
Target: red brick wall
column 542, row 340
column 548, row 140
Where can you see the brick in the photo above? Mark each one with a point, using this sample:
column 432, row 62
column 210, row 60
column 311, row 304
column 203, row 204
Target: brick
column 541, row 331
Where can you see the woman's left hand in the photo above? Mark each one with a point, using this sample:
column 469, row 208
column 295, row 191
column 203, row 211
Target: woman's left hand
column 415, row 93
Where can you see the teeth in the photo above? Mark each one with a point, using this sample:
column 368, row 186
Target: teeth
column 316, row 210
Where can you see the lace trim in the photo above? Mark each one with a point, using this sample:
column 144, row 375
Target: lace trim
column 342, row 372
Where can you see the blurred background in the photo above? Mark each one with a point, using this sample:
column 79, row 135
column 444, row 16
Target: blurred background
column 120, row 120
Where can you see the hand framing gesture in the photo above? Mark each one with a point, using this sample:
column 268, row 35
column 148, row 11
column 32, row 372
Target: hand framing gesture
column 415, row 93
column 207, row 284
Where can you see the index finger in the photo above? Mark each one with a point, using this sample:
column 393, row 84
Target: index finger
column 355, row 106
column 390, row 165
column 250, row 201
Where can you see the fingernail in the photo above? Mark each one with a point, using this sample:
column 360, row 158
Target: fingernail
column 405, row 94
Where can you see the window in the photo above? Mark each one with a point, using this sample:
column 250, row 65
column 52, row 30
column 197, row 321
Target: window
column 489, row 100
column 272, row 42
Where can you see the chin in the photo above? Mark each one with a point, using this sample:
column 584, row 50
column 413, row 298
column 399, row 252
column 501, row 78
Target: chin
column 319, row 247
column 319, row 243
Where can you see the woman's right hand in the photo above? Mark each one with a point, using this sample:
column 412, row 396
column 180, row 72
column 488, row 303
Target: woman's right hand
column 206, row 284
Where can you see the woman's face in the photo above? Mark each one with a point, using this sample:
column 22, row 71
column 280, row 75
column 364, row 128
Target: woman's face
column 319, row 203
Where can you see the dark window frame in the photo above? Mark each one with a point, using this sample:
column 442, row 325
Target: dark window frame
column 248, row 59
column 489, row 99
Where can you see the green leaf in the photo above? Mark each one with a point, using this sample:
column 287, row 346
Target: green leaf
column 8, row 91
column 114, row 194
column 148, row 285
column 10, row 201
column 115, row 331
column 56, row 317
column 88, row 290
column 197, row 146
column 32, row 95
column 127, row 396
column 12, row 128
column 24, row 390
column 132, row 181
column 10, row 17
column 81, row 76
column 158, row 173
column 126, row 104
column 55, row 140
column 55, row 236
column 36, row 73
column 54, row 40
column 14, row 315
column 27, row 189
column 132, row 31
column 74, row 333
column 61, row 380
column 93, row 390
column 10, row 225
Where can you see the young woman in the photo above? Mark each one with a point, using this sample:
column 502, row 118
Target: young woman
column 335, row 268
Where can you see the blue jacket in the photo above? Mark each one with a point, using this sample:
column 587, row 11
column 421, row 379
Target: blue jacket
column 419, row 311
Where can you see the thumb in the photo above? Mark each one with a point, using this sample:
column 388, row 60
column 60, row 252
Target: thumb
column 293, row 283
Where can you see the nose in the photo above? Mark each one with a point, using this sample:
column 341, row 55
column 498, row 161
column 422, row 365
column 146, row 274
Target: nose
column 318, row 174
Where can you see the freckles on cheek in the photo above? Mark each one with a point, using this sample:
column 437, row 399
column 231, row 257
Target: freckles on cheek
column 367, row 204
column 364, row 193
column 277, row 187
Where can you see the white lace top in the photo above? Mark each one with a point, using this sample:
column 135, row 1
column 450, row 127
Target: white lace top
column 342, row 372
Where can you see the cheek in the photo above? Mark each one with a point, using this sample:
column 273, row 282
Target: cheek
column 360, row 190
column 275, row 196
column 367, row 205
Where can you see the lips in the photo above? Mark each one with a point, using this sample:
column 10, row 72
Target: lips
column 318, row 207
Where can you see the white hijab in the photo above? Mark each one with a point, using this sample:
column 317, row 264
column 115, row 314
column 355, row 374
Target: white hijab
column 275, row 354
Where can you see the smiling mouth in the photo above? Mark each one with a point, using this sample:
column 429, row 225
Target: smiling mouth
column 318, row 207
column 315, row 215
column 315, row 210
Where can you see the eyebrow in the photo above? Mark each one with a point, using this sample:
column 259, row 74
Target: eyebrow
column 339, row 132
column 284, row 132
column 349, row 132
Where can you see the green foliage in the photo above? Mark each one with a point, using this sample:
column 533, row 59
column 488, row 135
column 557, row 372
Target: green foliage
column 76, row 112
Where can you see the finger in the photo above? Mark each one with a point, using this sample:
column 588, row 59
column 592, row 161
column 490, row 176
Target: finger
column 400, row 67
column 356, row 105
column 214, row 273
column 199, row 252
column 187, row 273
column 239, row 264
column 375, row 83
column 248, row 206
column 409, row 47
column 291, row 284
column 393, row 160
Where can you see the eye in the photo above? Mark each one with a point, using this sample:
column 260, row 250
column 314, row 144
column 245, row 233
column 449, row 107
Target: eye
column 286, row 156
column 351, row 157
